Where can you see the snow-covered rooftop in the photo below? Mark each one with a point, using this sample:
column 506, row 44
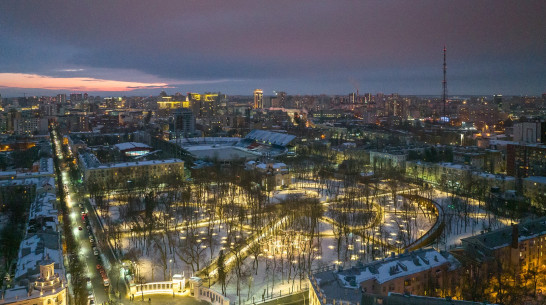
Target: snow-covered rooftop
column 344, row 284
column 397, row 266
column 42, row 240
column 270, row 137
column 536, row 179
column 503, row 237
column 34, row 249
column 207, row 140
column 45, row 169
column 139, row 163
column 131, row 146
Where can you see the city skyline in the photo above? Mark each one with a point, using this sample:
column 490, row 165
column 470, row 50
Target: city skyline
column 301, row 48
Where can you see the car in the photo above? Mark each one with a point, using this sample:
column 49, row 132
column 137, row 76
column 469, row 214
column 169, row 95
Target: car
column 90, row 298
column 99, row 267
column 91, row 239
column 80, row 228
column 96, row 252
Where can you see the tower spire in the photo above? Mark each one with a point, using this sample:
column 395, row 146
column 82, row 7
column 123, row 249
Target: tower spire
column 444, row 84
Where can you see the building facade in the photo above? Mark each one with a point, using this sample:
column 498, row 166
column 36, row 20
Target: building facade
column 526, row 160
column 529, row 132
column 520, row 248
column 184, row 123
column 420, row 272
column 384, row 160
column 258, row 99
column 152, row 170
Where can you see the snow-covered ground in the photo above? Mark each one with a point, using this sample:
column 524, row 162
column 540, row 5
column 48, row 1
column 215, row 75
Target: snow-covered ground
column 279, row 264
column 459, row 226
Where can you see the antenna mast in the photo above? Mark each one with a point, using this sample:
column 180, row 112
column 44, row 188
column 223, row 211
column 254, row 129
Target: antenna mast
column 444, row 85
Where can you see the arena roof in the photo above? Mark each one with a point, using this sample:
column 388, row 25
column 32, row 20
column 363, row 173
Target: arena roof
column 131, row 146
column 270, row 137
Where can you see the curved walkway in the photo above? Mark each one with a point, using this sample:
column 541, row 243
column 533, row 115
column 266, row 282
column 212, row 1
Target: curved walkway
column 436, row 229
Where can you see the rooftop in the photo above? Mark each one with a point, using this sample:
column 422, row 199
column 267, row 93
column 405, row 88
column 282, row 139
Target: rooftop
column 503, row 237
column 536, row 179
column 131, row 146
column 404, row 299
column 396, row 266
column 41, row 244
column 345, row 284
column 270, row 137
column 327, row 285
column 138, row 163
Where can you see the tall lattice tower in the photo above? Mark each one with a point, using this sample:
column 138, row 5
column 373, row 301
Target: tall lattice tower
column 444, row 85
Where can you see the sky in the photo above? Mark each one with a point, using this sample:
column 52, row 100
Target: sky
column 137, row 47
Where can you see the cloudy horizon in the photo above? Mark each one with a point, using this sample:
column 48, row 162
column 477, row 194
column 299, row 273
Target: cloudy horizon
column 303, row 47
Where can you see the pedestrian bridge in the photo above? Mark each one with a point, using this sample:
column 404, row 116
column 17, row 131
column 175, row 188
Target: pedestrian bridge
column 177, row 287
column 174, row 287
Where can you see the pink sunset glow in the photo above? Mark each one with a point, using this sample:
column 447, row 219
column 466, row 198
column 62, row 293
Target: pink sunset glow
column 21, row 80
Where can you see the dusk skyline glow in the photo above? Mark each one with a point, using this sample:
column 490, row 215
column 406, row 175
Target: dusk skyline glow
column 304, row 47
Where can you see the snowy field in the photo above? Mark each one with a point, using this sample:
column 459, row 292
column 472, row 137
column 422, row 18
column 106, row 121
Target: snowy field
column 276, row 262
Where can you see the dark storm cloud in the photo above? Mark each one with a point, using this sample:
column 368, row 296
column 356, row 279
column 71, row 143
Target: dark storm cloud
column 304, row 46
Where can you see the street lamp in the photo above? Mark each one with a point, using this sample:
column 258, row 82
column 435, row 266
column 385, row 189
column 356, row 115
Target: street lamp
column 171, row 270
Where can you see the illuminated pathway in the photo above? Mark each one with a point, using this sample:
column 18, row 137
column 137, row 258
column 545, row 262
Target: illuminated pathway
column 230, row 258
column 200, row 224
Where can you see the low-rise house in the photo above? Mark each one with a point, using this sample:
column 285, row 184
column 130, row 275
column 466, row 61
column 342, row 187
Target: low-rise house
column 275, row 175
column 420, row 272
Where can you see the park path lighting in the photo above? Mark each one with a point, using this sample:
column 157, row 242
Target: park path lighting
column 171, row 270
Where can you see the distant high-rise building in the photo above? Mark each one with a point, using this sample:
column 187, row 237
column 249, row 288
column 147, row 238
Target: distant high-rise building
column 75, row 97
column 279, row 100
column 497, row 100
column 258, row 98
column 184, row 122
column 529, row 132
column 61, row 98
column 268, row 101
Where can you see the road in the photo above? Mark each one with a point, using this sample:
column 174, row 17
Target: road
column 116, row 280
column 85, row 248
